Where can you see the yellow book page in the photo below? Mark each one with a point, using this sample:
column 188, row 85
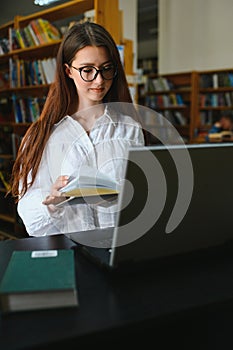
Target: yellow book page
column 92, row 191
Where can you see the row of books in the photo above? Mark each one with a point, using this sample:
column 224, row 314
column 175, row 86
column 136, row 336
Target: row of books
column 27, row 73
column 216, row 100
column 158, row 84
column 175, row 117
column 148, row 65
column 156, row 119
column 27, row 110
column 163, row 101
column 207, row 118
column 216, row 80
column 37, row 32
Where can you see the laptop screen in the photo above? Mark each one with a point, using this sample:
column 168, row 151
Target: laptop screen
column 174, row 200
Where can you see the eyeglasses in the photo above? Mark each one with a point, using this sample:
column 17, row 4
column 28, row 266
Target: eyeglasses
column 90, row 73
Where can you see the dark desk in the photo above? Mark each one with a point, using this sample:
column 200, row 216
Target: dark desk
column 186, row 303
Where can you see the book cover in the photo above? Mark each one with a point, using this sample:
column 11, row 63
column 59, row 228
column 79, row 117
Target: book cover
column 39, row 279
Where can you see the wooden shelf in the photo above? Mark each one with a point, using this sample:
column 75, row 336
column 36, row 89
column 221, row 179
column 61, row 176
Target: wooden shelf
column 4, row 235
column 215, row 95
column 6, row 156
column 189, row 86
column 7, row 218
column 66, row 10
column 174, row 96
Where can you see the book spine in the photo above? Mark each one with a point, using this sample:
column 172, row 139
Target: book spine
column 37, row 31
column 16, row 109
column 29, row 36
column 20, row 39
column 12, row 73
column 33, row 34
column 43, row 29
column 41, row 72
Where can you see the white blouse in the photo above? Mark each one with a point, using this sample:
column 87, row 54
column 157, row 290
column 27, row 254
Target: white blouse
column 68, row 148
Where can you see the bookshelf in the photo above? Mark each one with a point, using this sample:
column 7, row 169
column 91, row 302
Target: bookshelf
column 215, row 94
column 175, row 97
column 21, row 98
column 191, row 101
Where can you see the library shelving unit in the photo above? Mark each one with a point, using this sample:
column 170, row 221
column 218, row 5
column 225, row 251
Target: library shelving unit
column 215, row 95
column 191, row 101
column 175, row 97
column 13, row 127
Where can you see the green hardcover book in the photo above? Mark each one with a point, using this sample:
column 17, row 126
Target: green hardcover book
column 39, row 279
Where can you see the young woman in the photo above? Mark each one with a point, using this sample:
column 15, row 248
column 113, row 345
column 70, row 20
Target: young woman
column 82, row 123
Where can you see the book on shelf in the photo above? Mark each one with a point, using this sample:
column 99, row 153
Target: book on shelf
column 26, row 110
column 216, row 80
column 36, row 72
column 206, row 81
column 160, row 84
column 28, row 36
column 39, row 279
column 179, row 100
column 49, row 31
column 37, row 32
column 22, row 39
column 91, row 184
column 17, row 109
column 4, row 46
column 179, row 118
column 45, row 31
column 173, row 100
column 216, row 99
column 34, row 38
column 49, row 67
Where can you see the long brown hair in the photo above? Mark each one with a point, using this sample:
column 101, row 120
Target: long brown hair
column 62, row 100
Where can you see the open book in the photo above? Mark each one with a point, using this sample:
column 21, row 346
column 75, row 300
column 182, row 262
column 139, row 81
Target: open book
column 221, row 136
column 91, row 186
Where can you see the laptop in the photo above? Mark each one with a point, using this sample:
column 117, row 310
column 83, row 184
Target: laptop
column 175, row 200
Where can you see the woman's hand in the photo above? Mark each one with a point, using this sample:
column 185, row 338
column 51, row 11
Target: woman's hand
column 56, row 196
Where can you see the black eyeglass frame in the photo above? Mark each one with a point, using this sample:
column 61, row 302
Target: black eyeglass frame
column 97, row 72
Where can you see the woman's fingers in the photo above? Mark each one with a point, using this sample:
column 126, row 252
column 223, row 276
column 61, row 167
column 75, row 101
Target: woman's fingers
column 56, row 196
